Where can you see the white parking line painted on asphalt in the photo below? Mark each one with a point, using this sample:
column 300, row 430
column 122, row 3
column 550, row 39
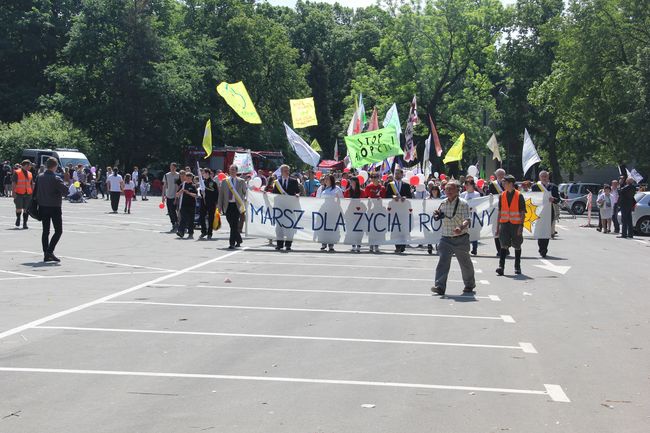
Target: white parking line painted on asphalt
column 20, row 273
column 345, row 254
column 103, row 262
column 347, row 292
column 524, row 347
column 555, row 392
column 103, row 274
column 160, row 279
column 561, row 227
column 339, row 265
column 504, row 318
column 346, row 277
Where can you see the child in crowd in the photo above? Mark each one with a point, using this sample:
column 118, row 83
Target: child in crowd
column 129, row 192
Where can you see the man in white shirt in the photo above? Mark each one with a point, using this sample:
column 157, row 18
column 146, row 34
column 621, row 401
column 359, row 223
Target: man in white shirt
column 614, row 197
column 171, row 182
column 115, row 185
column 134, row 177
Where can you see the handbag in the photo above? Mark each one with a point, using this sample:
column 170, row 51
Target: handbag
column 216, row 222
column 34, row 210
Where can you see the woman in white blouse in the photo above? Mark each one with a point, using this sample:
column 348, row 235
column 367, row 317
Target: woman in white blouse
column 329, row 189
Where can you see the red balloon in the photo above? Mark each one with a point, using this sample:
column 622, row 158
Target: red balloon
column 492, row 178
column 414, row 180
column 344, row 183
column 221, row 176
column 319, row 174
column 346, row 170
column 384, row 177
column 161, row 205
column 361, row 180
column 443, row 177
column 480, row 183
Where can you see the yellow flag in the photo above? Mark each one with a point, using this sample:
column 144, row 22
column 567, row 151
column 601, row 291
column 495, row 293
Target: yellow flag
column 237, row 97
column 455, row 153
column 207, row 139
column 303, row 112
column 316, row 146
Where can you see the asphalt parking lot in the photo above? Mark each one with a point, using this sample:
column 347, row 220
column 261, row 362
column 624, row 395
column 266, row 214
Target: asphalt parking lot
column 138, row 331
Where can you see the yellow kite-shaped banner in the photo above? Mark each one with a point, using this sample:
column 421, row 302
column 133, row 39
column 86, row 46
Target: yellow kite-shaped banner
column 237, row 97
column 303, row 112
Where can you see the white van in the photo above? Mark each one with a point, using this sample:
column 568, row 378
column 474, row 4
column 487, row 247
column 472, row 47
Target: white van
column 64, row 156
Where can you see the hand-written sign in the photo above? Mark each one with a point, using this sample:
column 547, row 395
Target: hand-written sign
column 372, row 146
column 303, row 112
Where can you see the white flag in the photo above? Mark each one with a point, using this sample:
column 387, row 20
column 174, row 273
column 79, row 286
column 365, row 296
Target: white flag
column 494, row 147
column 336, row 150
column 634, row 175
column 392, row 119
column 529, row 156
column 426, row 163
column 302, row 149
column 201, row 181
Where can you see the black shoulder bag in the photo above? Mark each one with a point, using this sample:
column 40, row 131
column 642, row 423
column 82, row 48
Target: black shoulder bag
column 34, row 210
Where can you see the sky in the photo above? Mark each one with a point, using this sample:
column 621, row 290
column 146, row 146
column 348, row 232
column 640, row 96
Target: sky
column 350, row 3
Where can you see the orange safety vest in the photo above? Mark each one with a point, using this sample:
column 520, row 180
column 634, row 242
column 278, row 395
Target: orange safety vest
column 510, row 213
column 23, row 183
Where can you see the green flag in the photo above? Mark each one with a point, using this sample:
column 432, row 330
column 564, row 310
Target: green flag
column 372, row 146
column 316, row 146
column 207, row 139
column 455, row 153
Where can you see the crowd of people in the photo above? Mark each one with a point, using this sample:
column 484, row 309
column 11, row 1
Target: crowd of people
column 201, row 196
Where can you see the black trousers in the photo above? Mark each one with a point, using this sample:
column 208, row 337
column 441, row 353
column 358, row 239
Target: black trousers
column 617, row 226
column 232, row 216
column 626, row 219
column 543, row 246
column 51, row 216
column 171, row 210
column 187, row 220
column 115, row 200
column 282, row 244
column 207, row 215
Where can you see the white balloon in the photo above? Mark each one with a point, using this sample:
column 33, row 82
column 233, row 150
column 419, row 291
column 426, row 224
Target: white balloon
column 436, row 175
column 472, row 170
column 422, row 179
column 408, row 175
column 364, row 175
column 420, row 187
column 255, row 182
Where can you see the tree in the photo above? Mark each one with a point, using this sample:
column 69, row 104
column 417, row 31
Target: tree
column 42, row 130
column 318, row 79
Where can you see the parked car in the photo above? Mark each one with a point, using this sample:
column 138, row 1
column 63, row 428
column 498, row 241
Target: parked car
column 576, row 193
column 641, row 213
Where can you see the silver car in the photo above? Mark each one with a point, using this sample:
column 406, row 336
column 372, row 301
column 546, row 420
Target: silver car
column 641, row 213
column 575, row 195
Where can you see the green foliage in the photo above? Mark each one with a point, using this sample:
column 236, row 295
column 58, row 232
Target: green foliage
column 139, row 76
column 42, row 130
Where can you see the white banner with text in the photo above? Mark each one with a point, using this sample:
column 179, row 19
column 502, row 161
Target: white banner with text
column 378, row 221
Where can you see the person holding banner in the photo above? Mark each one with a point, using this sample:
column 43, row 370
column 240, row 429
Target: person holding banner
column 186, row 196
column 455, row 220
column 399, row 190
column 231, row 203
column 510, row 224
column 544, row 185
column 285, row 185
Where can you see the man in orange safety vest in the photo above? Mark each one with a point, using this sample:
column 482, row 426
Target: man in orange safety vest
column 22, row 187
column 510, row 225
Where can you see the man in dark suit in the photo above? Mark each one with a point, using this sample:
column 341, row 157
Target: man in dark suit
column 544, row 185
column 231, row 202
column 496, row 187
column 285, row 185
column 399, row 190
column 626, row 203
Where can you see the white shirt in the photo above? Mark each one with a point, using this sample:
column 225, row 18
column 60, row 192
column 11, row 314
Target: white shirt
column 329, row 192
column 129, row 185
column 134, row 176
column 465, row 195
column 114, row 183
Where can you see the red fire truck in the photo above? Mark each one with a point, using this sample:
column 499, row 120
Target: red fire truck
column 264, row 161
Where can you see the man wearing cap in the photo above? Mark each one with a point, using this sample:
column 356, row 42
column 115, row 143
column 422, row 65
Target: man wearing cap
column 510, row 224
column 22, row 186
column 455, row 220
